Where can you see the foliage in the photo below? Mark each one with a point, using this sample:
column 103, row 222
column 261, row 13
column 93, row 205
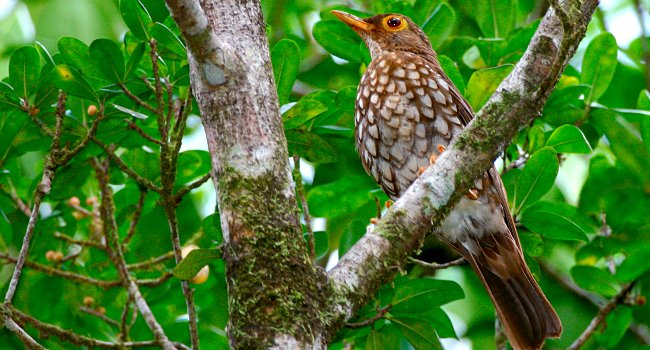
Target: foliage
column 578, row 178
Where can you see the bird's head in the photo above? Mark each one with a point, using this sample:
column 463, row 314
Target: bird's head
column 388, row 32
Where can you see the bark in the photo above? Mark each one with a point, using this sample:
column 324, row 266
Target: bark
column 277, row 299
column 275, row 294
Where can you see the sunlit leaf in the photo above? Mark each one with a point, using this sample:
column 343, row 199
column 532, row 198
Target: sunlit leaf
column 556, row 221
column 440, row 24
column 537, row 178
column 599, row 64
column 496, row 18
column 285, row 57
column 136, row 18
column 595, row 280
column 24, row 68
column 194, row 262
column 483, row 83
column 569, row 139
column 338, row 39
column 71, row 81
column 302, row 112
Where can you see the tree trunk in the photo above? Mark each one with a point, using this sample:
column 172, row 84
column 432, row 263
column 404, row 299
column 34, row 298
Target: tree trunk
column 277, row 299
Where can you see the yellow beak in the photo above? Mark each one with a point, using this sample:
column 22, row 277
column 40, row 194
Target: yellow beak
column 353, row 21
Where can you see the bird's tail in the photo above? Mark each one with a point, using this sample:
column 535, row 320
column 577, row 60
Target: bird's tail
column 527, row 316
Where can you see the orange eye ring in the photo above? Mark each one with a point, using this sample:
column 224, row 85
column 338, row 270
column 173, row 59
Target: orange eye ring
column 394, row 23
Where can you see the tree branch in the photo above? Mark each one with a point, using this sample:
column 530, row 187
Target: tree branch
column 514, row 105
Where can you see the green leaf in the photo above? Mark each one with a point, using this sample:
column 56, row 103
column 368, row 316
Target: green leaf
column 569, row 139
column 24, row 69
column 531, row 243
column 483, row 83
column 634, row 266
column 340, row 197
column 424, row 10
column 71, row 81
column 310, row 146
column 321, row 243
column 536, row 138
column 352, row 234
column 418, row 332
column 109, row 58
column 135, row 18
column 627, row 146
column 439, row 25
column 194, row 262
column 302, row 112
column 412, row 294
column 77, row 54
column 615, row 326
column 495, row 18
column 556, row 221
column 451, row 69
column 595, row 280
column 537, row 178
column 285, row 57
column 191, row 165
column 599, row 65
column 168, row 40
column 382, row 340
column 135, row 58
column 212, row 227
column 338, row 39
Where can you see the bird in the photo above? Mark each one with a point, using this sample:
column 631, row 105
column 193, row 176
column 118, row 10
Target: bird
column 407, row 111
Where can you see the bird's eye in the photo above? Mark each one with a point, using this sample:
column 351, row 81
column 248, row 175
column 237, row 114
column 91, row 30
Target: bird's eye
column 394, row 22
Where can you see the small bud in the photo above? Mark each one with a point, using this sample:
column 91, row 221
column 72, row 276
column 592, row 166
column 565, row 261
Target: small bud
column 92, row 110
column 91, row 200
column 640, row 300
column 101, row 310
column 89, row 301
column 74, row 202
column 78, row 215
column 49, row 255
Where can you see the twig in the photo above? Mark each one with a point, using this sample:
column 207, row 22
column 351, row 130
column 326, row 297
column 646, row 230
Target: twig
column 114, row 249
column 153, row 261
column 381, row 312
column 300, row 191
column 125, row 168
column 436, row 266
column 19, row 202
column 78, row 339
column 186, row 189
column 163, row 127
column 41, row 190
column 602, row 313
column 135, row 218
column 81, row 242
column 29, row 342
column 141, row 132
column 96, row 313
column 85, row 279
column 136, row 99
column 124, row 329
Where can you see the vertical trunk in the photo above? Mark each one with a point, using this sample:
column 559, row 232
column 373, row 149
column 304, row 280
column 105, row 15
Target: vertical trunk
column 275, row 294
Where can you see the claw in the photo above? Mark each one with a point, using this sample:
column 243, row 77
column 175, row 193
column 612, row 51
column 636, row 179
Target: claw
column 374, row 221
column 388, row 204
column 441, row 148
column 432, row 159
column 472, row 194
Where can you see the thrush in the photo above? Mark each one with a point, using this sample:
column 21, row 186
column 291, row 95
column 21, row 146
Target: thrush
column 407, row 111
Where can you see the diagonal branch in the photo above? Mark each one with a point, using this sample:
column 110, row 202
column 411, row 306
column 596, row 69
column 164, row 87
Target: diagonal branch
column 514, row 105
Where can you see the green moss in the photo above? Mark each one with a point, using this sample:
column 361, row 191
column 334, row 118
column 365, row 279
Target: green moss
column 273, row 287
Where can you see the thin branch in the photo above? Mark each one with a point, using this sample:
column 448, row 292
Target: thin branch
column 124, row 329
column 147, row 264
column 600, row 317
column 114, row 249
column 100, row 315
column 29, row 342
column 436, row 266
column 144, row 182
column 81, row 242
column 300, row 192
column 186, row 189
column 78, row 339
column 141, row 132
column 381, row 312
column 135, row 218
column 85, row 279
column 19, row 202
column 136, row 99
